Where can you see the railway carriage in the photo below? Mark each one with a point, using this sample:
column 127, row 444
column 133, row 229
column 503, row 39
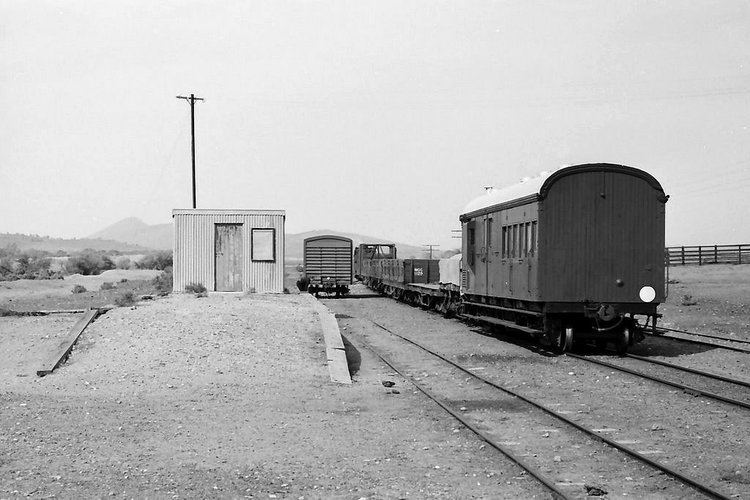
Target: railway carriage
column 572, row 255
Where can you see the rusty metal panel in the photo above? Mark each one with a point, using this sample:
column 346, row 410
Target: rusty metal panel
column 601, row 238
column 194, row 248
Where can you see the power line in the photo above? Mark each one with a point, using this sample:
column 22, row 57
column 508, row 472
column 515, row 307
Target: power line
column 192, row 100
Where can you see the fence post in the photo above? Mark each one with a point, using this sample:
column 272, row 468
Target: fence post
column 683, row 256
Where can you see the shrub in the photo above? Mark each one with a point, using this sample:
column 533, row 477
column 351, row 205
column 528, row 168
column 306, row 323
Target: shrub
column 125, row 299
column 158, row 260
column 163, row 283
column 197, row 288
column 88, row 263
column 123, row 263
column 29, row 264
column 78, row 289
column 107, row 285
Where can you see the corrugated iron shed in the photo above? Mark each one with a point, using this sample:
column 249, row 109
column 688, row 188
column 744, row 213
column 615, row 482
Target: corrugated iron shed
column 229, row 250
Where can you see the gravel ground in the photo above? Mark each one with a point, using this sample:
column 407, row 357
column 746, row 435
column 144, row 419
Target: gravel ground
column 703, row 438
column 229, row 397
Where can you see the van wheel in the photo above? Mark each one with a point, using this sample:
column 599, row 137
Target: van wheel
column 564, row 340
column 623, row 342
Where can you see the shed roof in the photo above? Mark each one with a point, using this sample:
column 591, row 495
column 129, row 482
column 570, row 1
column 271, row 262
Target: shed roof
column 225, row 211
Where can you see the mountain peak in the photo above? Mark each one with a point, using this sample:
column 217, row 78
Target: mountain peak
column 134, row 230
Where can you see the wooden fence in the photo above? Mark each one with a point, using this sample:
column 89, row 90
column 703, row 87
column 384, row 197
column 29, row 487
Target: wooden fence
column 708, row 254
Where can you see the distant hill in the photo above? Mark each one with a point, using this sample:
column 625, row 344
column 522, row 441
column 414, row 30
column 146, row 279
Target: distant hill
column 136, row 232
column 135, row 236
column 160, row 237
column 294, row 244
column 53, row 245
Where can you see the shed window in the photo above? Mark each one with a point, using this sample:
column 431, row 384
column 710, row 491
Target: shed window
column 263, row 246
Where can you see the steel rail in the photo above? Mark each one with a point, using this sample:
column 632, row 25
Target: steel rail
column 707, row 490
column 556, row 493
column 689, row 370
column 683, row 387
column 699, row 342
column 717, row 337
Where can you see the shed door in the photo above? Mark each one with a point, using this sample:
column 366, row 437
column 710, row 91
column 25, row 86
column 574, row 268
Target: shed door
column 228, row 249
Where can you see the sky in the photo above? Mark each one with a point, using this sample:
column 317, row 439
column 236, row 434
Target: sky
column 383, row 118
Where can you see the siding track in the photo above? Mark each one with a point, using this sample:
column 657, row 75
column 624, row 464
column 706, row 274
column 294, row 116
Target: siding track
column 563, row 431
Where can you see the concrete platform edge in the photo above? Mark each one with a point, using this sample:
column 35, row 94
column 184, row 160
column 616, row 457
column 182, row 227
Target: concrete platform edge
column 338, row 368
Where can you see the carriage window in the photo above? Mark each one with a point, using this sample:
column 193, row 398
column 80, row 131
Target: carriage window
column 516, row 242
column 489, row 233
column 533, row 237
column 529, row 243
column 471, row 239
column 522, row 248
column 505, row 242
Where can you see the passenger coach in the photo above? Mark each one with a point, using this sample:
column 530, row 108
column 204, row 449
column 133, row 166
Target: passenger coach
column 577, row 254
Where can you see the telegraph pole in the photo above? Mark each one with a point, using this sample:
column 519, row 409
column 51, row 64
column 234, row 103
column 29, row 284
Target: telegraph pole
column 430, row 247
column 192, row 100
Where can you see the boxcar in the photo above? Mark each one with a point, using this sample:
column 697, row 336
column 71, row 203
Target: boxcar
column 328, row 264
column 572, row 255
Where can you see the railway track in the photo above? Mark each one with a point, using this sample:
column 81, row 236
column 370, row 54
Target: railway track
column 570, row 436
column 735, row 392
column 665, row 331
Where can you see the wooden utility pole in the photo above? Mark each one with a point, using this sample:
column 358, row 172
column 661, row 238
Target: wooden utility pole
column 430, row 247
column 192, row 100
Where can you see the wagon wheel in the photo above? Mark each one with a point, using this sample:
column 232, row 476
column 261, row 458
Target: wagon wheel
column 564, row 339
column 623, row 342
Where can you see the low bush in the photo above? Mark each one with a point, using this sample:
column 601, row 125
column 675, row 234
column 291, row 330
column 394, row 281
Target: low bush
column 163, row 283
column 78, row 289
column 158, row 260
column 123, row 263
column 197, row 288
column 28, row 264
column 107, row 285
column 89, row 263
column 125, row 299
